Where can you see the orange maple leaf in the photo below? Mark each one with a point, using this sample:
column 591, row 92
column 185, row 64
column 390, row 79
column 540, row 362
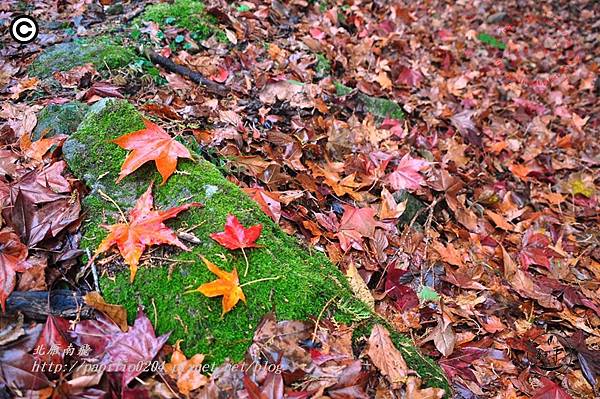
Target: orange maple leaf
column 227, row 285
column 145, row 228
column 151, row 144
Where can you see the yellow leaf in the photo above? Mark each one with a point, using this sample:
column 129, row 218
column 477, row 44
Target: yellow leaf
column 227, row 284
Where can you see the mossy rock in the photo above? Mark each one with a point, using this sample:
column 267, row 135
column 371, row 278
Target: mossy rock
column 59, row 119
column 101, row 51
column 307, row 280
column 184, row 14
column 380, row 107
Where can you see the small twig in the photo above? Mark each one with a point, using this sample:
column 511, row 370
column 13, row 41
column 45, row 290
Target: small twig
column 428, row 238
column 314, row 334
column 259, row 280
column 112, row 201
column 172, row 260
column 94, row 270
column 197, row 77
column 155, row 314
column 247, row 264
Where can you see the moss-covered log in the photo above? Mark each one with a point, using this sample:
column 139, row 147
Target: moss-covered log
column 307, row 281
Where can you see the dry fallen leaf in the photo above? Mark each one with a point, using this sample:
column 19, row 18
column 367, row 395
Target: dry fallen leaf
column 186, row 372
column 359, row 287
column 117, row 313
column 386, row 357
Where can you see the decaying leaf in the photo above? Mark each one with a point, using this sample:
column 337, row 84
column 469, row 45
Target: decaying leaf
column 186, row 372
column 359, row 287
column 117, row 313
column 13, row 255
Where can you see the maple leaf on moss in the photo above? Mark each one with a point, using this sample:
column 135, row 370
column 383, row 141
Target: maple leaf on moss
column 144, row 228
column 151, row 144
column 228, row 285
column 236, row 236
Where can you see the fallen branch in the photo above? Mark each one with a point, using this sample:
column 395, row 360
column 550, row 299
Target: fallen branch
column 37, row 305
column 197, row 77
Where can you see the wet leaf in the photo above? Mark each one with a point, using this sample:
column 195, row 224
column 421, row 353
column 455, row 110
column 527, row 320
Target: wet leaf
column 13, row 255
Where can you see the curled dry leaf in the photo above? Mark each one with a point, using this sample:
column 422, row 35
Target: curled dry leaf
column 359, row 287
column 186, row 372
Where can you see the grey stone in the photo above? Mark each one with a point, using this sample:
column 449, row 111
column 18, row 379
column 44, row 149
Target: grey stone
column 59, row 119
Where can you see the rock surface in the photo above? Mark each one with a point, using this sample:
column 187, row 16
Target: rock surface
column 103, row 52
column 307, row 281
column 59, row 119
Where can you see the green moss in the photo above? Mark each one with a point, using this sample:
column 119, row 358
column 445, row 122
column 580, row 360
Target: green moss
column 101, row 51
column 323, row 66
column 306, row 281
column 491, row 40
column 380, row 107
column 185, row 14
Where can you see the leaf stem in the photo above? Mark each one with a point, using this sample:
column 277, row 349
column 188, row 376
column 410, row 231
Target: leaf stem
column 247, row 264
column 314, row 334
column 112, row 201
column 259, row 280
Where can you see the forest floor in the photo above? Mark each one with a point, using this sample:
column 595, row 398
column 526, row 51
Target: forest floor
column 444, row 155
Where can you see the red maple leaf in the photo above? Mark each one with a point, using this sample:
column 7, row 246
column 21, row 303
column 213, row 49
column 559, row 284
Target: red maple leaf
column 145, row 228
column 137, row 346
column 550, row 390
column 409, row 77
column 406, row 176
column 535, row 250
column 54, row 336
column 355, row 224
column 151, row 144
column 12, row 260
column 236, row 236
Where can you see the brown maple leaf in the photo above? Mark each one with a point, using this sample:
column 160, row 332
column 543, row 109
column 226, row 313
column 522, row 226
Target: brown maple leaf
column 144, row 228
column 151, row 144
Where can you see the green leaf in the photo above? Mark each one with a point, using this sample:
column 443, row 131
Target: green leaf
column 491, row 40
column 427, row 294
